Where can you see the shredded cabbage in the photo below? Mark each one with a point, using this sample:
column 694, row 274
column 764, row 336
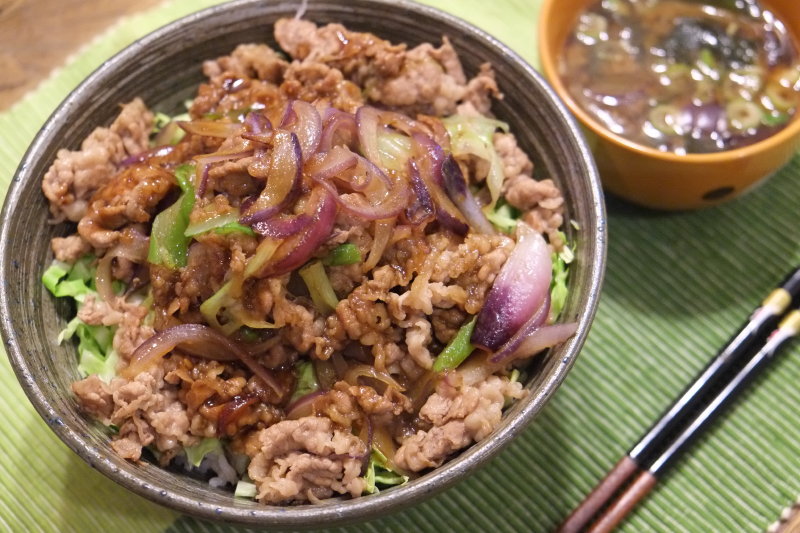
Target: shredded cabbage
column 394, row 149
column 195, row 454
column 558, row 285
column 306, row 380
column 379, row 475
column 504, row 217
column 96, row 354
column 475, row 136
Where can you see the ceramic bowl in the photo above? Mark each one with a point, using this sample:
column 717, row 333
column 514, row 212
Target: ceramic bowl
column 164, row 68
column 665, row 180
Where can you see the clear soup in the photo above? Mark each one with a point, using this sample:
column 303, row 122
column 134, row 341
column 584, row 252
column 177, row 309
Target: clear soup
column 683, row 76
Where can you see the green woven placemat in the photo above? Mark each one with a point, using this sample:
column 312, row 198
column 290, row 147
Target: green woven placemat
column 676, row 286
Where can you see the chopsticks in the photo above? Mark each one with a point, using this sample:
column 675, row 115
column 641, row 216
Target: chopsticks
column 722, row 379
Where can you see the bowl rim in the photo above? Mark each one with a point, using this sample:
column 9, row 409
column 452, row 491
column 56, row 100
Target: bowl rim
column 340, row 511
column 549, row 55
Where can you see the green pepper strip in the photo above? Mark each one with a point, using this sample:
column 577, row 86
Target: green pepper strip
column 235, row 227
column 344, row 254
column 168, row 244
column 319, row 286
column 306, row 380
column 457, row 350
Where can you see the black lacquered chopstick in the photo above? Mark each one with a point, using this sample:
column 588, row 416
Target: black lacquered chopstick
column 731, row 358
column 789, row 327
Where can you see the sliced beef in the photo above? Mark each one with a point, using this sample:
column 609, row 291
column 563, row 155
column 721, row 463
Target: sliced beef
column 306, row 460
column 76, row 175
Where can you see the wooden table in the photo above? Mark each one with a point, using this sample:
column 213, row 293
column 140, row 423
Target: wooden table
column 37, row 36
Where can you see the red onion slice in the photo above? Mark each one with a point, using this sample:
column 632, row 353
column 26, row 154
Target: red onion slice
column 303, row 406
column 257, row 123
column 536, row 321
column 519, row 290
column 421, row 209
column 280, row 227
column 457, row 189
column 367, row 120
column 305, row 122
column 539, row 339
column 446, row 213
column 203, row 342
column 328, row 165
column 401, row 123
column 377, row 195
column 141, row 157
column 339, row 128
column 204, row 163
column 283, row 179
column 295, row 251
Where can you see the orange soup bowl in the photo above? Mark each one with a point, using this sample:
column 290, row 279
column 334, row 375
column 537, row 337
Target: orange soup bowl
column 666, row 180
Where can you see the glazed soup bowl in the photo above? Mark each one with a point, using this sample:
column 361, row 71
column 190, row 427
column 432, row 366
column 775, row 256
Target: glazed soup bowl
column 665, row 180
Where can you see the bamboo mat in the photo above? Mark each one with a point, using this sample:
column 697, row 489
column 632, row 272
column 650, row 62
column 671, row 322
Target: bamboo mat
column 677, row 286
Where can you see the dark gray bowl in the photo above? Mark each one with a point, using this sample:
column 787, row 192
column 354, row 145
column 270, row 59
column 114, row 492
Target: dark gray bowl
column 163, row 68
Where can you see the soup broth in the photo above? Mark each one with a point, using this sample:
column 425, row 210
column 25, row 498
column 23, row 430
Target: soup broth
column 683, row 76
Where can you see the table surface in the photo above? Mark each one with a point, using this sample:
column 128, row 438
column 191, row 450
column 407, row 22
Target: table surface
column 677, row 285
column 37, row 36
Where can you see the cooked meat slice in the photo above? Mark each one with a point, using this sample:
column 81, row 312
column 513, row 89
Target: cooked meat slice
column 76, row 175
column 306, row 460
column 257, row 61
column 69, row 249
column 542, row 203
column 130, row 197
column 318, row 82
column 514, row 160
column 94, row 395
column 460, row 415
column 423, row 79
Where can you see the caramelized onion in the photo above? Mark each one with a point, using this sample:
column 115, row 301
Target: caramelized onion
column 283, row 179
column 132, row 246
column 457, row 189
column 280, row 227
column 421, row 209
column 204, row 163
column 159, row 151
column 210, row 128
column 203, row 342
column 368, row 128
column 366, row 371
column 446, row 213
column 303, row 406
column 292, row 253
column 324, row 167
column 233, row 410
column 339, row 128
column 401, row 123
column 257, row 123
column 303, row 120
